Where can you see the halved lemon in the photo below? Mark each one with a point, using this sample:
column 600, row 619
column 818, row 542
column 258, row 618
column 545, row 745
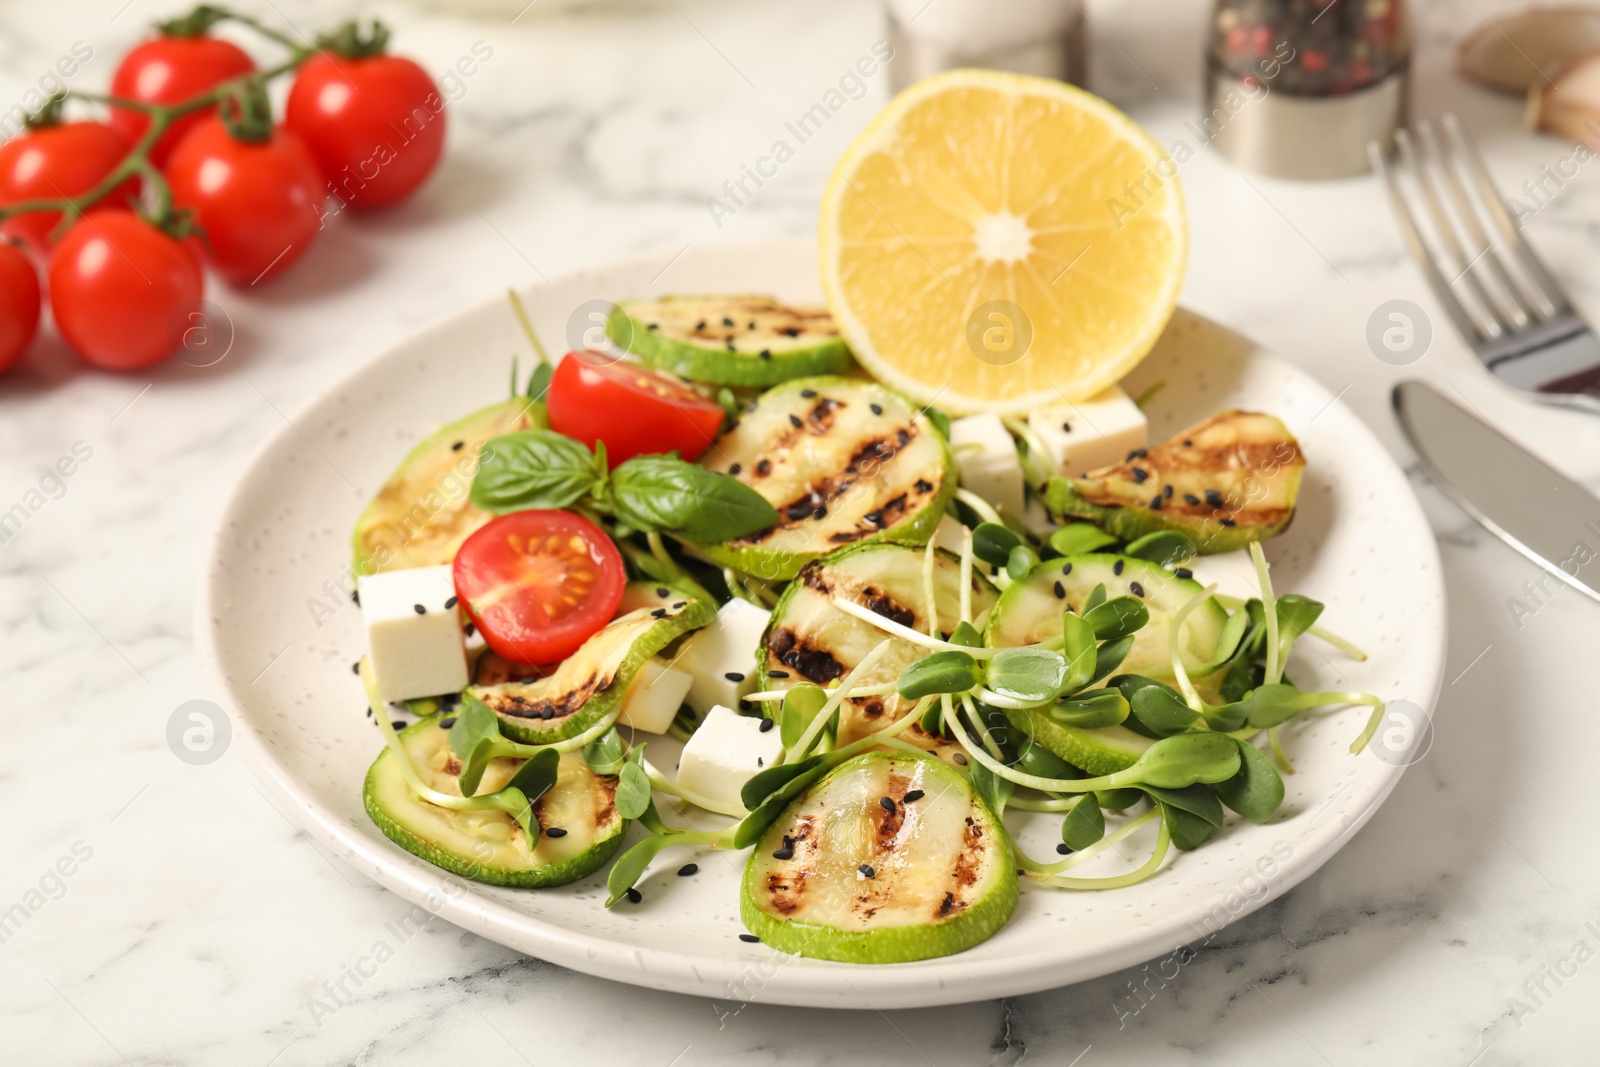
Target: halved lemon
column 1000, row 242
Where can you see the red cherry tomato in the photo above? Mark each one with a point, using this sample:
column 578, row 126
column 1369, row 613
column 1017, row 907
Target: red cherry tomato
column 634, row 411
column 19, row 305
column 117, row 289
column 168, row 70
column 375, row 124
column 258, row 202
column 539, row 583
column 53, row 162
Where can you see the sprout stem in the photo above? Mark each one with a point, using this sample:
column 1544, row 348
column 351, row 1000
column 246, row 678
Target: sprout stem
column 889, row 626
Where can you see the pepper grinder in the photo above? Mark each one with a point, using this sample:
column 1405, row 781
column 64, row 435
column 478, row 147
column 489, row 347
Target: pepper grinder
column 1296, row 88
column 1041, row 37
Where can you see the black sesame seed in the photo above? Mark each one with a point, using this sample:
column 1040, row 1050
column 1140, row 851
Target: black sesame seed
column 458, row 446
column 1066, row 568
column 819, row 513
column 452, row 602
column 764, row 467
column 659, row 613
column 734, row 468
column 745, row 705
column 913, row 796
column 959, row 759
column 1187, row 443
column 730, row 345
column 1213, row 498
column 750, row 326
column 766, row 724
column 887, row 804
column 765, row 353
column 1227, row 522
column 555, row 831
column 1167, row 492
column 547, row 713
column 734, row 676
column 400, row 724
column 1116, row 568
column 355, row 597
column 419, row 609
column 1190, row 498
column 700, row 325
column 1139, row 475
column 749, row 938
column 783, row 854
column 1184, row 572
column 688, row 869
column 808, row 393
column 1136, row 588
column 652, row 326
column 794, row 420
column 469, row 629
column 867, row 871
column 726, row 321
column 355, row 668
column 1136, row 454
column 1061, row 591
column 634, row 896
column 369, row 713
column 1066, row 427
column 788, row 842
column 677, row 605
column 904, row 437
column 1064, row 850
column 1155, row 502
column 923, row 486
column 447, row 722
column 529, row 680
column 777, row 674
column 877, row 409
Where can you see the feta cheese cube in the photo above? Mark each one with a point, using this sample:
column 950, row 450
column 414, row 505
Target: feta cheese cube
column 723, row 754
column 950, row 535
column 987, row 458
column 721, row 658
column 413, row 632
column 652, row 701
column 1095, row 433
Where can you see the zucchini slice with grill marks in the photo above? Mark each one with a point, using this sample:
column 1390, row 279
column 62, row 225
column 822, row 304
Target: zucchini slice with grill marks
column 808, row 638
column 1030, row 610
column 421, row 515
column 590, row 683
column 730, row 340
column 841, row 876
column 1105, row 750
column 1223, row 483
column 843, row 461
column 488, row 846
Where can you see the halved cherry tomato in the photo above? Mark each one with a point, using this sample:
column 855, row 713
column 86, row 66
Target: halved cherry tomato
column 19, row 304
column 168, row 70
column 538, row 584
column 118, row 288
column 635, row 411
column 56, row 162
column 259, row 203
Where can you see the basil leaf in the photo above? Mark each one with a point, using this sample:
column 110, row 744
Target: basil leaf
column 1256, row 792
column 1084, row 825
column 533, row 469
column 1078, row 538
column 1029, row 673
column 942, row 672
column 665, row 493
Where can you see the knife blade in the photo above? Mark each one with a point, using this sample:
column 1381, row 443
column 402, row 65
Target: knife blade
column 1522, row 500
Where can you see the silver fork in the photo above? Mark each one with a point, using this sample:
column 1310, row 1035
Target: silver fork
column 1494, row 288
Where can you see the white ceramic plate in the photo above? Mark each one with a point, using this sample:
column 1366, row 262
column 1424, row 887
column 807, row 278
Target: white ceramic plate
column 1359, row 543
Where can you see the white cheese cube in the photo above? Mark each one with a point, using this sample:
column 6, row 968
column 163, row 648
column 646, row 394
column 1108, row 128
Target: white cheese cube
column 721, row 658
column 950, row 535
column 653, row 699
column 723, row 754
column 987, row 458
column 413, row 632
column 1095, row 433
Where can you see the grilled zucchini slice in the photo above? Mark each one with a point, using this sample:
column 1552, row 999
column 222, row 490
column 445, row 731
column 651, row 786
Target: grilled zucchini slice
column 730, row 340
column 421, row 515
column 591, row 682
column 1030, row 610
column 860, row 883
column 488, row 846
column 843, row 461
column 1106, row 750
column 809, row 638
column 1230, row 480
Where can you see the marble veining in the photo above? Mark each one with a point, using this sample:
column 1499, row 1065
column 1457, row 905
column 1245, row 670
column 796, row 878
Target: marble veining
column 198, row 926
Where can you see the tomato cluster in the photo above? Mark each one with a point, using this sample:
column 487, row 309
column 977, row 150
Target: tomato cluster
column 218, row 185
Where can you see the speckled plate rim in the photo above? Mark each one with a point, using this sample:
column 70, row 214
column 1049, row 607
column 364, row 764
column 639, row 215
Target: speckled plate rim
column 949, row 980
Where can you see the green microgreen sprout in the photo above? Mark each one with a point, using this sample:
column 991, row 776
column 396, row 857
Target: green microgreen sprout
column 476, row 739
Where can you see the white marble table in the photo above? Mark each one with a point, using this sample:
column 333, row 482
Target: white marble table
column 197, row 926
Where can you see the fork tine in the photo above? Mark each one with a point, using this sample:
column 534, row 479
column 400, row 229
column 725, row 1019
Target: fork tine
column 1483, row 266
column 1469, row 160
column 1419, row 252
column 1445, row 251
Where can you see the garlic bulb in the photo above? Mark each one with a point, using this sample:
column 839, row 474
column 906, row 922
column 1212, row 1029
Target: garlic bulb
column 1515, row 53
column 1569, row 105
